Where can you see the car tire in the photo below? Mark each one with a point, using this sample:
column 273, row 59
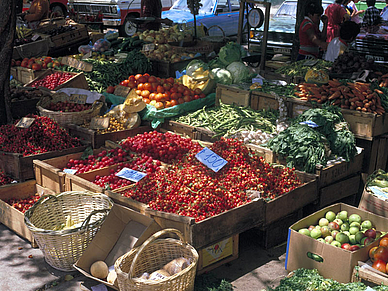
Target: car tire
column 57, row 10
column 129, row 27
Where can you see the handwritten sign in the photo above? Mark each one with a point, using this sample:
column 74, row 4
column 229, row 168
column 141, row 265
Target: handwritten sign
column 25, row 122
column 99, row 123
column 211, row 159
column 78, row 98
column 70, row 171
column 131, row 175
column 87, row 55
column 72, row 62
column 122, row 91
column 148, row 47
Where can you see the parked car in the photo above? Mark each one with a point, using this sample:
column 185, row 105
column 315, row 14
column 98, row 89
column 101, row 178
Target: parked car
column 281, row 27
column 223, row 13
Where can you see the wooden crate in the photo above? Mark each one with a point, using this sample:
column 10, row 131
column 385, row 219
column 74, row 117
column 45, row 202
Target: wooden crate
column 218, row 254
column 98, row 140
column 339, row 190
column 77, row 81
column 297, row 107
column 83, row 182
column 21, row 168
column 232, row 95
column 165, row 69
column 261, row 100
column 21, row 108
column 376, row 154
column 13, row 218
column 180, row 128
column 117, row 197
column 368, row 277
column 268, row 75
column 49, row 172
column 68, row 38
column 26, row 75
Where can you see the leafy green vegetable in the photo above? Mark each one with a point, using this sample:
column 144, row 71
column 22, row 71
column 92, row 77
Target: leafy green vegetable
column 221, row 76
column 240, row 72
column 194, row 65
column 299, row 69
column 229, row 53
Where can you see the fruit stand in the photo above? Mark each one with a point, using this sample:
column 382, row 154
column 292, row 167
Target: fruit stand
column 178, row 137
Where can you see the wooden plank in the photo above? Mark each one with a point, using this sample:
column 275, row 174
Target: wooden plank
column 49, row 176
column 75, row 183
column 232, row 95
column 180, row 128
column 382, row 152
column 261, row 100
column 339, row 190
column 118, row 198
column 368, row 277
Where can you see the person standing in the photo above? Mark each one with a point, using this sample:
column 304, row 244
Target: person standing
column 336, row 14
column 38, row 10
column 385, row 8
column 151, row 8
column 311, row 39
column 372, row 15
column 356, row 13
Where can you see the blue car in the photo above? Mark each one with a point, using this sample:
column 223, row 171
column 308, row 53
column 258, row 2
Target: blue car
column 223, row 13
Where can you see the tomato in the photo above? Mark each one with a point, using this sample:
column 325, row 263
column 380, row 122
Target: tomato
column 147, row 86
column 154, row 86
column 186, row 92
column 47, row 60
column 180, row 101
column 167, row 95
column 159, row 97
column 167, row 86
column 138, row 92
column 160, row 89
column 132, row 84
column 145, row 94
column 170, row 80
column 138, row 76
column 124, row 83
column 142, row 79
column 140, row 86
column 173, row 90
column 371, row 253
column 174, row 102
column 381, row 253
column 202, row 95
column 36, row 67
column 174, row 96
column 152, row 79
column 384, row 242
column 197, row 91
column 152, row 96
column 159, row 105
column 380, row 265
column 110, row 89
column 146, row 100
column 187, row 98
column 131, row 78
column 195, row 97
column 181, row 89
column 167, row 104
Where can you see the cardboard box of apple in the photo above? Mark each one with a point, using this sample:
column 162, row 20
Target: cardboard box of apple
column 345, row 231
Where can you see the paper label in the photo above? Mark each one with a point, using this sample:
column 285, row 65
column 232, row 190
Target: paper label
column 122, row 91
column 25, row 122
column 99, row 123
column 131, row 175
column 87, row 55
column 80, row 65
column 148, row 47
column 70, row 171
column 35, row 37
column 211, row 159
column 253, row 194
column 78, row 98
column 309, row 123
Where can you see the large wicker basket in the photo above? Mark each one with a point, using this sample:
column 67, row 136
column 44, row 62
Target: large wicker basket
column 62, row 248
column 152, row 255
column 64, row 118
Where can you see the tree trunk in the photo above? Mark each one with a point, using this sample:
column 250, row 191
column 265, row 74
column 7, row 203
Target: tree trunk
column 7, row 33
column 300, row 11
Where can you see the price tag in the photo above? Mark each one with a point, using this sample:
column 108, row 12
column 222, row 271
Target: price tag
column 87, row 55
column 25, row 122
column 99, row 123
column 35, row 37
column 148, row 47
column 309, row 123
column 78, row 98
column 77, row 64
column 211, row 159
column 70, row 171
column 122, row 91
column 131, row 175
column 253, row 194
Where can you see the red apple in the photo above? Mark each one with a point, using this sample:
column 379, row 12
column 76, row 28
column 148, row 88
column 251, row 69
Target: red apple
column 354, row 248
column 346, row 246
column 333, row 225
column 370, row 233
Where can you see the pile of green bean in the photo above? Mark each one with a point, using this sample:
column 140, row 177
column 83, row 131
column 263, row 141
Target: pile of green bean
column 226, row 120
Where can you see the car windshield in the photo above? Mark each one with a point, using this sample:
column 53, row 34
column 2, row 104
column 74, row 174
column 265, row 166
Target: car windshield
column 287, row 9
column 206, row 8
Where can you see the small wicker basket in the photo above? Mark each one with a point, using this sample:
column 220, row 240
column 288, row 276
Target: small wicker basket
column 215, row 35
column 152, row 255
column 62, row 248
column 64, row 118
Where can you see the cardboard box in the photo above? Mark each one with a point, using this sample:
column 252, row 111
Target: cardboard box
column 10, row 216
column 122, row 230
column 337, row 263
column 374, row 204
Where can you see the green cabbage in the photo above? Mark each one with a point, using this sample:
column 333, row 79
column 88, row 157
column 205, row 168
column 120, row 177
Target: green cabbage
column 229, row 53
column 194, row 65
column 221, row 76
column 240, row 72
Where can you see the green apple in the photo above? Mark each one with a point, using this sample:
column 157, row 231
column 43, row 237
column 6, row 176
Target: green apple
column 353, row 230
column 359, row 235
column 338, row 221
column 354, row 223
column 366, row 224
column 342, row 238
column 354, row 218
column 346, row 232
column 304, row 231
column 325, row 231
column 343, row 215
column 329, row 239
column 322, row 240
column 323, row 222
column 315, row 233
column 345, row 226
column 352, row 239
column 330, row 216
column 336, row 244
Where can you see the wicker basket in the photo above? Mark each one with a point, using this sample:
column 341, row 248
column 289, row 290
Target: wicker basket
column 64, row 118
column 215, row 35
column 152, row 255
column 62, row 248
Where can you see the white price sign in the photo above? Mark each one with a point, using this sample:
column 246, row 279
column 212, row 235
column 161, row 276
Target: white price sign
column 211, row 159
column 25, row 122
column 131, row 175
column 70, row 171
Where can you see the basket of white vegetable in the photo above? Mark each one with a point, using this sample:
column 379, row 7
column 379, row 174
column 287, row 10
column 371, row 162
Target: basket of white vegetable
column 63, row 225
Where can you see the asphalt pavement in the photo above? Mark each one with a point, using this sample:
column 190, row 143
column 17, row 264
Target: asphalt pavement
column 24, row 267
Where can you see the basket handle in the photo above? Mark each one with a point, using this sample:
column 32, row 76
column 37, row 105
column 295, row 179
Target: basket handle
column 150, row 240
column 219, row 27
column 85, row 223
column 28, row 213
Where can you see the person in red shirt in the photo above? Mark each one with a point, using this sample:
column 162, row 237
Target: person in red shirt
column 336, row 14
column 311, row 39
